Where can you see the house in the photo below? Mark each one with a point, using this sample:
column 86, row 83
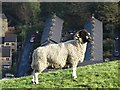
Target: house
column 4, row 23
column 52, row 30
column 11, row 40
column 6, row 56
column 8, row 43
column 4, row 28
column 98, row 40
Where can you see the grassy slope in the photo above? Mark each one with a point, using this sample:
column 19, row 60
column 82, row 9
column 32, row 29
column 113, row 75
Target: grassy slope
column 98, row 75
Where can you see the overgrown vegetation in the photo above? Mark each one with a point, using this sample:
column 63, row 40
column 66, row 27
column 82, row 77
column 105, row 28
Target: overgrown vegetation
column 104, row 75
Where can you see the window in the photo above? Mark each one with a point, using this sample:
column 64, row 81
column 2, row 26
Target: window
column 7, row 43
column 7, row 59
column 13, row 50
column 2, row 59
column 13, row 43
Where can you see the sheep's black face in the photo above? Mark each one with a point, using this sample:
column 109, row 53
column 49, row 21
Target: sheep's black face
column 83, row 36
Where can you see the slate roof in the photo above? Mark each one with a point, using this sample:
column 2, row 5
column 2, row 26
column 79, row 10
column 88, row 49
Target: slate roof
column 1, row 40
column 10, row 38
column 57, row 30
column 98, row 40
column 52, row 34
column 46, row 30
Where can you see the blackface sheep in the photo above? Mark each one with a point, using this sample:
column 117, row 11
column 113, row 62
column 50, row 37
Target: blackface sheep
column 58, row 55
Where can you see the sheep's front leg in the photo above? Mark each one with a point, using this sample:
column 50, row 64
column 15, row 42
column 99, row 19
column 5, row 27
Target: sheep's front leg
column 74, row 72
column 35, row 78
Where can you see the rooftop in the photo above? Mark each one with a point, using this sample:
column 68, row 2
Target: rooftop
column 52, row 30
column 1, row 40
column 10, row 38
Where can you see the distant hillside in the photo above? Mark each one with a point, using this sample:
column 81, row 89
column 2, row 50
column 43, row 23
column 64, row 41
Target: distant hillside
column 104, row 75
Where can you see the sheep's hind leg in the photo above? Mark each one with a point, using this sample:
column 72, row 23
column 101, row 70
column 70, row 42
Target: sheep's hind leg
column 35, row 77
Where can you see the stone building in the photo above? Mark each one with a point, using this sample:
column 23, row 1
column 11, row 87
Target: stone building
column 8, row 43
column 4, row 23
column 97, row 34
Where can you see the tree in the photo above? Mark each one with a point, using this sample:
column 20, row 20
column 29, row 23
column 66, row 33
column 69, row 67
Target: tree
column 24, row 12
column 109, row 15
column 74, row 14
column 35, row 10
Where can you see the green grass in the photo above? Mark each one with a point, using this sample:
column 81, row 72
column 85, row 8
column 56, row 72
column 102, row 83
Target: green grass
column 104, row 75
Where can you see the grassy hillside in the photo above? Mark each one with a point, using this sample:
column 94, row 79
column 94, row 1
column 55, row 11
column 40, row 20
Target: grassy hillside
column 91, row 76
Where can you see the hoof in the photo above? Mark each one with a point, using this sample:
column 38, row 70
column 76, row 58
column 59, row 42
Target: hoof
column 74, row 77
column 35, row 82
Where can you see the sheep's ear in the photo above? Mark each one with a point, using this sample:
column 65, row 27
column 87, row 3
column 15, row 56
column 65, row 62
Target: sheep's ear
column 77, row 35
